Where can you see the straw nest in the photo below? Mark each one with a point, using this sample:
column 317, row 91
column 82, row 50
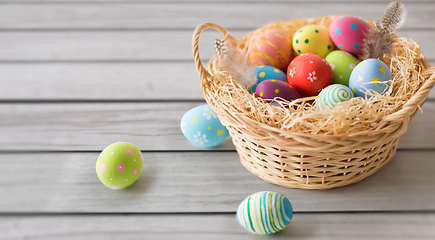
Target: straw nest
column 296, row 145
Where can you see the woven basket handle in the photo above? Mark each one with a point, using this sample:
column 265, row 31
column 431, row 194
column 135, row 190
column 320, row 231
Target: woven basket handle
column 417, row 100
column 199, row 65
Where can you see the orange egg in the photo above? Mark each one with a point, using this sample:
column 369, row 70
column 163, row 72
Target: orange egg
column 272, row 48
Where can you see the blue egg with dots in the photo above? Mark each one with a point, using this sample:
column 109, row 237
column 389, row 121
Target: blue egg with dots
column 370, row 75
column 268, row 73
column 202, row 127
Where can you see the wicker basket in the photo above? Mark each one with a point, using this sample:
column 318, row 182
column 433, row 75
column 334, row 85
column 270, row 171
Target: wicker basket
column 301, row 160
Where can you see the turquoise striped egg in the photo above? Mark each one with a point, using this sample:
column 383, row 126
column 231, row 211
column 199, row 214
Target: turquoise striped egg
column 332, row 95
column 265, row 212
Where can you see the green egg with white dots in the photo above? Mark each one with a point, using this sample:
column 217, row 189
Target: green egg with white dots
column 342, row 64
column 119, row 165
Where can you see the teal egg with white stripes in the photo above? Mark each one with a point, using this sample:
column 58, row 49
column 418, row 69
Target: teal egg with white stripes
column 265, row 212
column 332, row 95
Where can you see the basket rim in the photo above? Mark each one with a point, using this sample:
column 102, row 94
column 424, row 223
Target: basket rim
column 403, row 115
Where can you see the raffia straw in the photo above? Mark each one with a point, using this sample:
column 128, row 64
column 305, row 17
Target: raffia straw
column 294, row 144
column 347, row 117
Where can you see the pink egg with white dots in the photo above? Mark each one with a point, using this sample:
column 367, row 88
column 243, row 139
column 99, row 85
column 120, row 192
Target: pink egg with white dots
column 348, row 33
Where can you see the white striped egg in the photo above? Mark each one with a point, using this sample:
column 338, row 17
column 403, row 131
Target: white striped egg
column 265, row 212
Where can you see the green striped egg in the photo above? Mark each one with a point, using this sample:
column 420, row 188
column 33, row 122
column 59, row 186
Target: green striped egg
column 332, row 95
column 265, row 212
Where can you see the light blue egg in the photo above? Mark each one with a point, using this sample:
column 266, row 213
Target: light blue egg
column 267, row 73
column 202, row 127
column 369, row 74
column 265, row 212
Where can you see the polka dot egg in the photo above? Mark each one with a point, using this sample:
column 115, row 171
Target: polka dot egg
column 266, row 73
column 369, row 75
column 342, row 64
column 270, row 89
column 272, row 48
column 312, row 39
column 119, row 165
column 347, row 33
column 202, row 127
column 265, row 212
column 332, row 95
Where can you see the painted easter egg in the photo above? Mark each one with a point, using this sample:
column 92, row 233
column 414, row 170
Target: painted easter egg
column 369, row 74
column 272, row 48
column 348, row 33
column 265, row 212
column 342, row 64
column 119, row 165
column 312, row 39
column 268, row 72
column 202, row 127
column 332, row 95
column 270, row 89
column 309, row 73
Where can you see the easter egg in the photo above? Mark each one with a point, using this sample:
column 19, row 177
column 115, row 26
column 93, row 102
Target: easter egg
column 119, row 165
column 348, row 33
column 270, row 89
column 265, row 212
column 312, row 39
column 272, row 48
column 369, row 74
column 332, row 95
column 268, row 72
column 202, row 127
column 342, row 64
column 309, row 73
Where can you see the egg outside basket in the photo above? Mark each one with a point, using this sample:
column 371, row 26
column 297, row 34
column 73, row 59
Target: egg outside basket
column 309, row 160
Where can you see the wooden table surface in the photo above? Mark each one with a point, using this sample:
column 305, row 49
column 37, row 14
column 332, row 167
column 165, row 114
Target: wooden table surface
column 76, row 76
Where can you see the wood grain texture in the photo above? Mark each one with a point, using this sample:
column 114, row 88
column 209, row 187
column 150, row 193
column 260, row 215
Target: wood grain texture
column 223, row 226
column 199, row 182
column 150, row 125
column 102, row 81
column 149, row 46
column 136, row 15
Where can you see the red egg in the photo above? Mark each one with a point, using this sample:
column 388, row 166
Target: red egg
column 272, row 48
column 270, row 89
column 309, row 73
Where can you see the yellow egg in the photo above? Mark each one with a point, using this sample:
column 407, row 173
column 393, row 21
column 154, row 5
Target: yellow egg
column 313, row 39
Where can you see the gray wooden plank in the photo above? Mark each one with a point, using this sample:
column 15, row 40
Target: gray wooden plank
column 187, row 1
column 224, row 226
column 151, row 126
column 97, row 81
column 138, row 45
column 188, row 14
column 199, row 182
column 102, row 81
